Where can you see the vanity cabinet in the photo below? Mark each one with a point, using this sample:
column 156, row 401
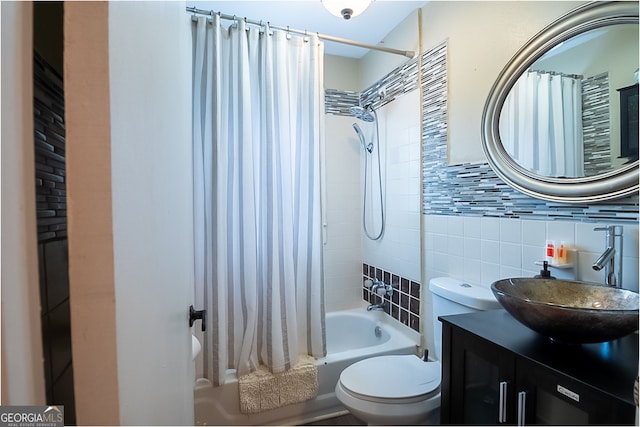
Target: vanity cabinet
column 497, row 371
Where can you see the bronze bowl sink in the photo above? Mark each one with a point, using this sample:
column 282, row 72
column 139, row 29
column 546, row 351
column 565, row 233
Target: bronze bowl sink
column 569, row 312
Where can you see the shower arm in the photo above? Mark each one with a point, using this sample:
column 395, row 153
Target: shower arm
column 407, row 53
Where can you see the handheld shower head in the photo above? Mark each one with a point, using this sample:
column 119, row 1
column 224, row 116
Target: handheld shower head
column 365, row 146
column 362, row 113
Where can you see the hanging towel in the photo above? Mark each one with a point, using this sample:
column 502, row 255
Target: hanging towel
column 261, row 390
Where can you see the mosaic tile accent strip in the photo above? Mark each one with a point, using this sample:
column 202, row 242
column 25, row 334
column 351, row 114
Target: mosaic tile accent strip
column 473, row 189
column 49, row 138
column 403, row 305
column 402, row 80
column 337, row 102
column 595, row 125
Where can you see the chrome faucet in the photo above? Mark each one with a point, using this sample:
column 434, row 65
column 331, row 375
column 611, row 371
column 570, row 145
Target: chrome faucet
column 378, row 287
column 376, row 306
column 611, row 258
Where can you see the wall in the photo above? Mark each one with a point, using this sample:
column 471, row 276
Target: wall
column 482, row 37
column 375, row 64
column 398, row 250
column 22, row 370
column 342, row 73
column 91, row 278
column 53, row 258
column 395, row 258
column 342, row 250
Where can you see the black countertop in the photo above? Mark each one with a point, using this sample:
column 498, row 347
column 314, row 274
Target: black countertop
column 611, row 367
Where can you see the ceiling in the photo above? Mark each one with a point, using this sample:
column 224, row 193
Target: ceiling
column 370, row 27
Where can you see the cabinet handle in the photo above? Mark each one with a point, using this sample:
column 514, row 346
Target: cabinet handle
column 502, row 404
column 522, row 400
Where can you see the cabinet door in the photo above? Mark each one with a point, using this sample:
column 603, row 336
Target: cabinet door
column 477, row 371
column 549, row 398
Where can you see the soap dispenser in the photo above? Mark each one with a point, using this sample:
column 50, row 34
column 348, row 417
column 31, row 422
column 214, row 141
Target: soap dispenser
column 544, row 273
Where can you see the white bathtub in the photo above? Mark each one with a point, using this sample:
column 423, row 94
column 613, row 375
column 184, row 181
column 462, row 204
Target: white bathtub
column 351, row 336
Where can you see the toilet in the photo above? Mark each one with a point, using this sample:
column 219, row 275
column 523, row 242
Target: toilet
column 403, row 389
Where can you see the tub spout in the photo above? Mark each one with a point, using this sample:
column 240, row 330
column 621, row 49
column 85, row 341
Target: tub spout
column 375, row 307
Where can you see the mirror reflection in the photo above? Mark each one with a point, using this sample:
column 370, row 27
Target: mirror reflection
column 574, row 112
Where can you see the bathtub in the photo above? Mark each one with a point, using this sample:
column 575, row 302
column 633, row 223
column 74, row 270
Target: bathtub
column 351, row 336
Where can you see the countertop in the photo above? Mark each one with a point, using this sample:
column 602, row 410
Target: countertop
column 611, row 367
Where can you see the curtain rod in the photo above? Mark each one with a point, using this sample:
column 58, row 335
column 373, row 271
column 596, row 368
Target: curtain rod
column 407, row 53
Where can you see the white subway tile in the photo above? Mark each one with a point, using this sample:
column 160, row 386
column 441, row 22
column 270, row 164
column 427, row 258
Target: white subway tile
column 472, row 227
column 455, row 246
column 440, row 243
column 585, row 272
column 531, row 254
column 630, row 240
column 472, row 249
column 511, row 255
column 587, row 239
column 490, row 228
column 490, row 273
column 561, row 231
column 510, row 231
column 506, row 272
column 455, row 226
column 630, row 273
column 490, row 251
column 533, row 233
column 472, row 270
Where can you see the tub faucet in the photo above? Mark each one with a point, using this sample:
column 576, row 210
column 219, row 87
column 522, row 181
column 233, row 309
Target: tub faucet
column 376, row 306
column 379, row 288
column 611, row 258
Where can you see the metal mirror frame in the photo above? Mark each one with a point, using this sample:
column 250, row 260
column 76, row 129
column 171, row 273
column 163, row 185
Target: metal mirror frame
column 611, row 185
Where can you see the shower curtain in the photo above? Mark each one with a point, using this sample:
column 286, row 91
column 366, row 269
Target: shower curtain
column 541, row 124
column 257, row 98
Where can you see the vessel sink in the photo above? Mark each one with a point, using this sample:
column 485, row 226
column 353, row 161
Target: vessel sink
column 569, row 312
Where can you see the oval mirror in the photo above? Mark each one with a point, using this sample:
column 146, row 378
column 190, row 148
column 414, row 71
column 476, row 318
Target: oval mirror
column 561, row 120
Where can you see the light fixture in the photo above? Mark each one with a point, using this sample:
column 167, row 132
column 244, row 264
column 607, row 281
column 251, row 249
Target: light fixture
column 346, row 8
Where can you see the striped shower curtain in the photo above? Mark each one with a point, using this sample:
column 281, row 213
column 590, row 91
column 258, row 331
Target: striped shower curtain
column 541, row 124
column 257, row 117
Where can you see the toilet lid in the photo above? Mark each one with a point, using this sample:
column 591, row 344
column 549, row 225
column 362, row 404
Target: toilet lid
column 392, row 377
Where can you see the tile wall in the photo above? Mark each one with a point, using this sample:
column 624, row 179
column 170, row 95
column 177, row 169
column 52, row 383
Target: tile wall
column 482, row 250
column 403, row 305
column 53, row 256
column 475, row 227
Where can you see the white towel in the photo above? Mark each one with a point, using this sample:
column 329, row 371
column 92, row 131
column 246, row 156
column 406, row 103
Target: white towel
column 261, row 390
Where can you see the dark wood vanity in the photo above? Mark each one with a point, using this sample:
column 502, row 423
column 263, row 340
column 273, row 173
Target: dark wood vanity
column 497, row 371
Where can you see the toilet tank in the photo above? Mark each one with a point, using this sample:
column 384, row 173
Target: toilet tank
column 452, row 296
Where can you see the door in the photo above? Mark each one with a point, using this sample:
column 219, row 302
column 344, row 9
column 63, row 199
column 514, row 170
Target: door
column 152, row 209
column 481, row 380
column 129, row 164
column 545, row 397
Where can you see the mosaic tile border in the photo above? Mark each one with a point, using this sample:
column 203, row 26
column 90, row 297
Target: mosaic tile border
column 469, row 189
column 595, row 124
column 473, row 189
column 403, row 305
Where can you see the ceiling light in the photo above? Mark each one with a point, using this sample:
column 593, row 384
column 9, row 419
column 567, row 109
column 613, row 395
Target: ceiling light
column 346, row 8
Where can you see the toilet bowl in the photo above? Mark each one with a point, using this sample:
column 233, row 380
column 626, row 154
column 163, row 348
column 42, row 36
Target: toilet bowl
column 404, row 389
column 392, row 390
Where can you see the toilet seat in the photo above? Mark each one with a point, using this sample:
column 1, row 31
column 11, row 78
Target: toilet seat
column 392, row 379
